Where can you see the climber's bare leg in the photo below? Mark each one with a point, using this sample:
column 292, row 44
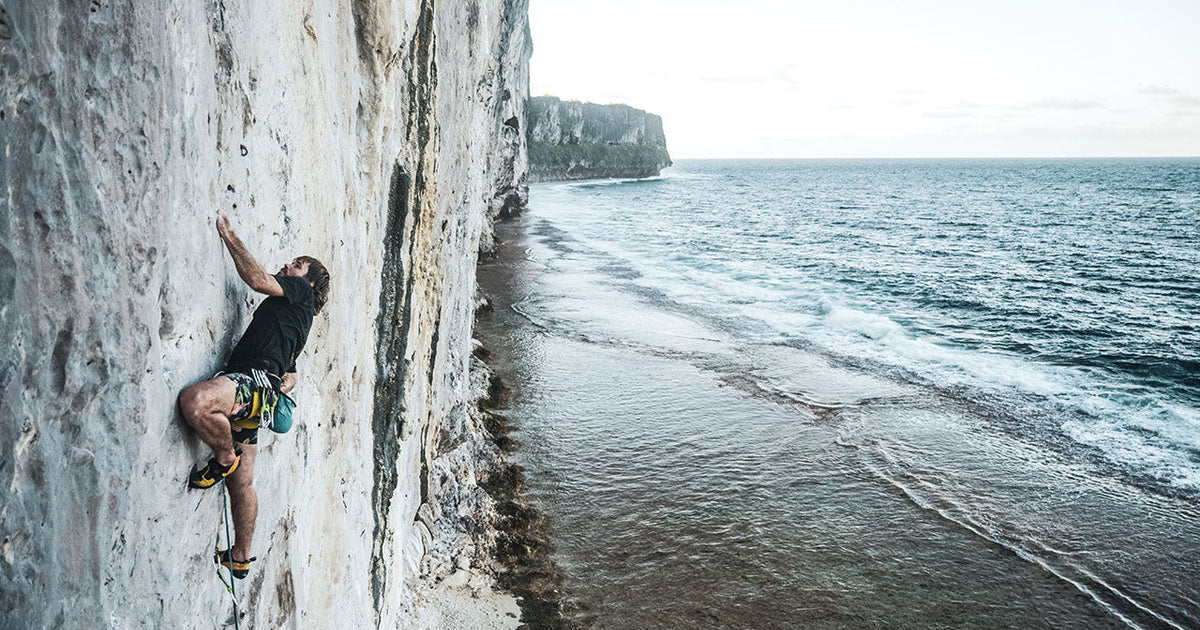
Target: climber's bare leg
column 243, row 502
column 206, row 407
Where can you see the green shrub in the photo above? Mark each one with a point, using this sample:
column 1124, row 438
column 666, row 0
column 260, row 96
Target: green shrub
column 563, row 157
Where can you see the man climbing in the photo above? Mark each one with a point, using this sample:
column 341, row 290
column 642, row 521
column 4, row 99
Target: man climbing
column 227, row 410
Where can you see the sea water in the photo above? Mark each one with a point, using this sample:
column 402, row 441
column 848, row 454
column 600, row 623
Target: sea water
column 878, row 393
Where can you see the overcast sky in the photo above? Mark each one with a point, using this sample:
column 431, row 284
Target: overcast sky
column 880, row 78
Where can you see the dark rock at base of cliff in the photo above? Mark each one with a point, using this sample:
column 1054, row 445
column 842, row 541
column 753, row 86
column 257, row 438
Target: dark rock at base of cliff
column 522, row 543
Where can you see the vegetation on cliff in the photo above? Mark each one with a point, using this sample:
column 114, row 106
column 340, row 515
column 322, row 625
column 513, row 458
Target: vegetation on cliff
column 548, row 162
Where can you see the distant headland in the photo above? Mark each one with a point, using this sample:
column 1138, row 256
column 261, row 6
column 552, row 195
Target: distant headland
column 574, row 140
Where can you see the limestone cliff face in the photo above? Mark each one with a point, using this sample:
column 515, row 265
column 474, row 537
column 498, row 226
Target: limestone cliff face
column 509, row 161
column 371, row 134
column 574, row 140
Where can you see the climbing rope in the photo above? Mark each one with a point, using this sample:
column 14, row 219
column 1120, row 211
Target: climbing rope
column 229, row 545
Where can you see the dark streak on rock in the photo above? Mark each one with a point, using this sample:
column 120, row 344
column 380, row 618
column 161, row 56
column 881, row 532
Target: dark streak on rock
column 473, row 15
column 396, row 313
column 420, row 99
column 362, row 14
column 58, row 358
column 5, row 29
column 285, row 598
column 391, row 331
column 8, row 275
column 425, row 455
column 223, row 45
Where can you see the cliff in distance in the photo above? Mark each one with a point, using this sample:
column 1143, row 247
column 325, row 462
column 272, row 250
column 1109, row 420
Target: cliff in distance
column 371, row 134
column 573, row 140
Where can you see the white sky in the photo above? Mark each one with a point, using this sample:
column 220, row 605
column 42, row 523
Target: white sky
column 879, row 78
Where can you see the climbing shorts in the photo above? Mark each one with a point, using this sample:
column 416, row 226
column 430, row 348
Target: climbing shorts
column 255, row 394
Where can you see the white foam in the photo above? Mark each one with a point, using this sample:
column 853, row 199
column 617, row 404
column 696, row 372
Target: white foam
column 610, row 181
column 1122, row 426
column 869, row 325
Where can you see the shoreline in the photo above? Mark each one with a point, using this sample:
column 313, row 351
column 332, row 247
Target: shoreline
column 522, row 549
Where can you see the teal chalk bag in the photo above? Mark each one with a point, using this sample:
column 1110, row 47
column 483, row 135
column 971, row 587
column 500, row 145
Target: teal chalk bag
column 282, row 421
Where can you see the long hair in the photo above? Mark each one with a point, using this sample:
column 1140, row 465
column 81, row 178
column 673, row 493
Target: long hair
column 318, row 275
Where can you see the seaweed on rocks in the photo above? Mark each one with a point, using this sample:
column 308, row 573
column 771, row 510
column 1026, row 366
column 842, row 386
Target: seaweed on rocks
column 523, row 548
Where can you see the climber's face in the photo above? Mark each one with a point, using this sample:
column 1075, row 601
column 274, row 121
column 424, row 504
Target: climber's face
column 294, row 268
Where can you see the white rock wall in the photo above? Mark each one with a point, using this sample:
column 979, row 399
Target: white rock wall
column 555, row 121
column 510, row 157
column 361, row 132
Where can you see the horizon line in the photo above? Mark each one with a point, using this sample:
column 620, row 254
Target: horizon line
column 959, row 157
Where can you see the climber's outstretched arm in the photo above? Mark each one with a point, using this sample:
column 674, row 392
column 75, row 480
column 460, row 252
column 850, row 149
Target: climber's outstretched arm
column 251, row 272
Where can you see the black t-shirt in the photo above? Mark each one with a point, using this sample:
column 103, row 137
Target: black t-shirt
column 278, row 331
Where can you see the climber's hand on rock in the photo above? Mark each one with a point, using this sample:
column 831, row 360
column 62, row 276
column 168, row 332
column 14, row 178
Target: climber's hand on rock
column 223, row 226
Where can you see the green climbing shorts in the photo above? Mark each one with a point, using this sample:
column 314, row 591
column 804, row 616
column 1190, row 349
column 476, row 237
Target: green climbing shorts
column 248, row 401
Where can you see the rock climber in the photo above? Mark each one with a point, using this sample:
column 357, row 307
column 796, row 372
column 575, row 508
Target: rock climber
column 226, row 411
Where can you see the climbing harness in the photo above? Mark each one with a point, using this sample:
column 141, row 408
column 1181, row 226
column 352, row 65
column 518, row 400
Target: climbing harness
column 229, row 585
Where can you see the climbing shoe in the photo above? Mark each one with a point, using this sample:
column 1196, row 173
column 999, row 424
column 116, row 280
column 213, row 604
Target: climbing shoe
column 239, row 570
column 213, row 472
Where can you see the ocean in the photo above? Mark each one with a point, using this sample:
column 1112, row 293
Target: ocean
column 862, row 393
